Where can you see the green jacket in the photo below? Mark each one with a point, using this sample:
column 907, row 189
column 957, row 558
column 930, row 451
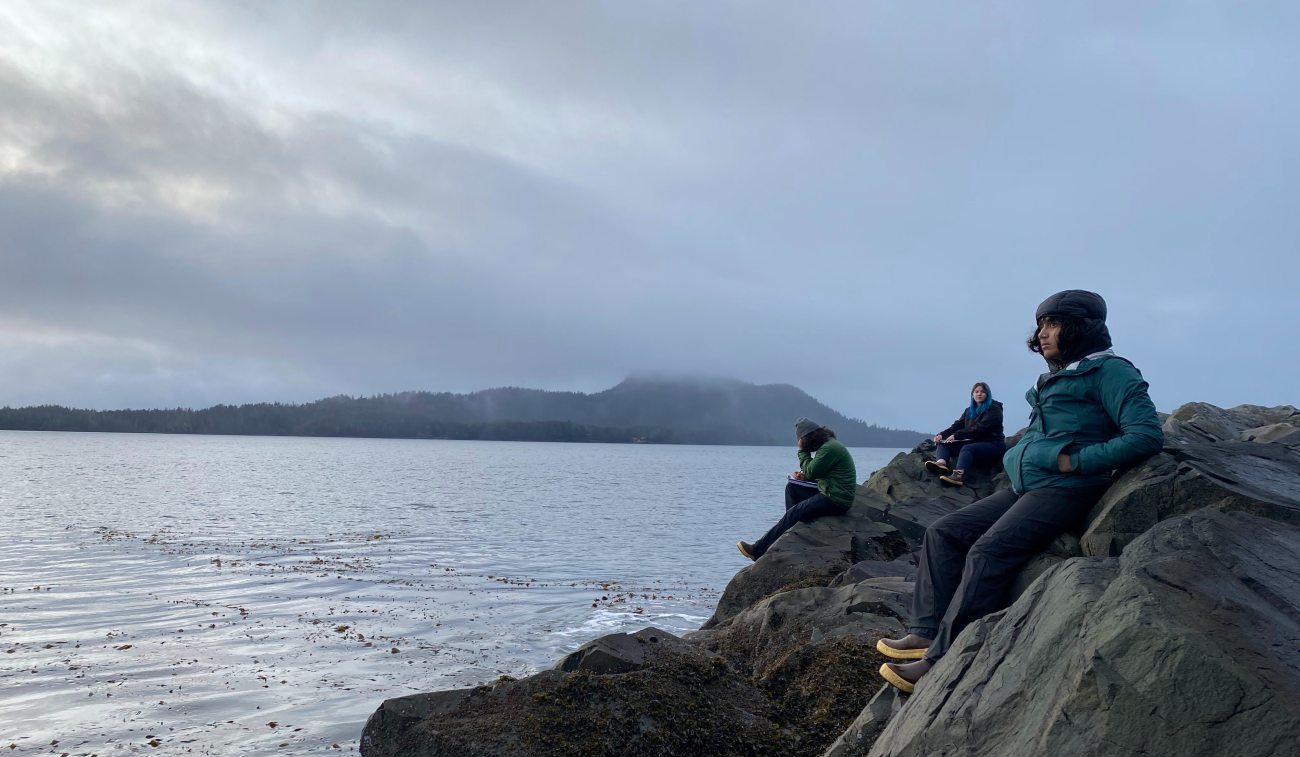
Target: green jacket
column 1098, row 412
column 832, row 468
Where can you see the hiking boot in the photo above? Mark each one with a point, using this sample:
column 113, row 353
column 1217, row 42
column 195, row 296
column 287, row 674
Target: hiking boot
column 746, row 549
column 910, row 647
column 938, row 466
column 956, row 478
column 904, row 675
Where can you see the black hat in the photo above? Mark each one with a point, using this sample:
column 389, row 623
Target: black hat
column 804, row 427
column 1073, row 303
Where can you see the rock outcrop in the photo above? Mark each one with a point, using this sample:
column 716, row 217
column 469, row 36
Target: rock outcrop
column 811, row 554
column 682, row 701
column 1187, row 644
column 1202, row 422
column 908, row 498
column 1170, row 625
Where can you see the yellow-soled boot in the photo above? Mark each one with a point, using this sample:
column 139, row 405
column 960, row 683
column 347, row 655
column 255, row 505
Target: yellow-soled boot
column 910, row 647
column 904, row 676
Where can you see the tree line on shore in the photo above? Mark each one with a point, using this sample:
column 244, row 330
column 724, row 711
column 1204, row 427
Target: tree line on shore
column 637, row 410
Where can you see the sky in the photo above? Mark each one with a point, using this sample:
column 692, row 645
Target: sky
column 232, row 202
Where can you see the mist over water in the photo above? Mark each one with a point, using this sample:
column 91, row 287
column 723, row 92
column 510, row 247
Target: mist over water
column 261, row 595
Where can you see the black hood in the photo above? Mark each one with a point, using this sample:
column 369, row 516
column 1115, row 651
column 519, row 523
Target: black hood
column 1073, row 303
column 1088, row 311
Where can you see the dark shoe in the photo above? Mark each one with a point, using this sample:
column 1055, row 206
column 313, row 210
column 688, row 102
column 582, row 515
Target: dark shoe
column 746, row 549
column 956, row 478
column 904, row 675
column 910, row 647
column 934, row 466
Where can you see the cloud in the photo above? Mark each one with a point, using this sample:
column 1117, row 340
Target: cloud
column 233, row 203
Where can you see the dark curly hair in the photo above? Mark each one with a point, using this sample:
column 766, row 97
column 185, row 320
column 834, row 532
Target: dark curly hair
column 1079, row 337
column 813, row 440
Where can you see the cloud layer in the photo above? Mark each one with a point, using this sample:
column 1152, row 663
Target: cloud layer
column 211, row 203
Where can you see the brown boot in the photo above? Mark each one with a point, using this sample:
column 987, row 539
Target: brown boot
column 904, row 675
column 956, row 478
column 938, row 466
column 910, row 647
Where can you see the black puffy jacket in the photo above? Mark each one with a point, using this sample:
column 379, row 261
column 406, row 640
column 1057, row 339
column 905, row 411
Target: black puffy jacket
column 985, row 427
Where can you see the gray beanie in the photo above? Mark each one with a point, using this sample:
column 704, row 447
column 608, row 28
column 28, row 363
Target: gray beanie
column 804, row 427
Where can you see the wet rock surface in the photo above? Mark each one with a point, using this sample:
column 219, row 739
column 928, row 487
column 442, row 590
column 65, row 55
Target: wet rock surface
column 1169, row 625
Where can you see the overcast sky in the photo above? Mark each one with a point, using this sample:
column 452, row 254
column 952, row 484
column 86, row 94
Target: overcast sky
column 232, row 202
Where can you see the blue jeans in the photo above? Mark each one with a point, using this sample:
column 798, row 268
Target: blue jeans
column 971, row 453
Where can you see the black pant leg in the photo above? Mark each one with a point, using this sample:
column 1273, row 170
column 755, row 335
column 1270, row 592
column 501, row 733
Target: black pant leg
column 1036, row 518
column 810, row 509
column 796, row 493
column 943, row 553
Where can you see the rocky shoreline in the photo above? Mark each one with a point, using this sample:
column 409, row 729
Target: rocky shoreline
column 1170, row 625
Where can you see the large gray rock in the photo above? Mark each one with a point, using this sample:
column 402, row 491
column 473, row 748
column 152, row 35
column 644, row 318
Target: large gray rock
column 1274, row 433
column 810, row 554
column 1062, row 548
column 1260, row 478
column 1203, row 422
column 908, row 497
column 1131, row 506
column 1186, row 645
column 1263, row 479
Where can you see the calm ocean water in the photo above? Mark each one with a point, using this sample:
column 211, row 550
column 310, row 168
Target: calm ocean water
column 253, row 595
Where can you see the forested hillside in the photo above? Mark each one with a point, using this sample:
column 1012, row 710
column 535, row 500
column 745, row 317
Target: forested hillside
column 666, row 411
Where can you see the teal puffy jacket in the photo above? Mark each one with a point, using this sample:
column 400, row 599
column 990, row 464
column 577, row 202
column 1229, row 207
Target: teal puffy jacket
column 1098, row 412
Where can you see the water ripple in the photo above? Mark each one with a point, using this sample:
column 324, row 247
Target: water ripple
column 223, row 595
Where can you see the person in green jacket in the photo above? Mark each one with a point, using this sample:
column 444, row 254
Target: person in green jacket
column 1090, row 415
column 823, row 461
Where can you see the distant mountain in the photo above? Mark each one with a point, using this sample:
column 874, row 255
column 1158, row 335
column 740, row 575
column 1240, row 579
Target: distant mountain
column 640, row 409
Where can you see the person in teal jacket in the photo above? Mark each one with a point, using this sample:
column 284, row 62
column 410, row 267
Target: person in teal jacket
column 1090, row 415
column 825, row 484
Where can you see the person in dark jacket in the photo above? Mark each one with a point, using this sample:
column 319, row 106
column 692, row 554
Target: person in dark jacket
column 823, row 461
column 976, row 437
column 1091, row 414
